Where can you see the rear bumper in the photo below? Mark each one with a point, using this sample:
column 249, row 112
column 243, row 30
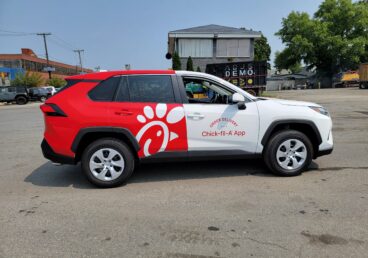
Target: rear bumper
column 49, row 153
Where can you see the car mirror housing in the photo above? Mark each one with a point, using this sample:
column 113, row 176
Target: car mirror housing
column 237, row 97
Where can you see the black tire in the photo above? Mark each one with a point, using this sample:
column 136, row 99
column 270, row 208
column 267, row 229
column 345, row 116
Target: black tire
column 116, row 145
column 362, row 85
column 21, row 100
column 43, row 98
column 269, row 154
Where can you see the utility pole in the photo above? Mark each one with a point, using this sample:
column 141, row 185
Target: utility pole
column 47, row 54
column 80, row 58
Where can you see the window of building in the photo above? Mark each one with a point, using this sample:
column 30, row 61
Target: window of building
column 195, row 47
column 151, row 88
column 105, row 90
column 233, row 48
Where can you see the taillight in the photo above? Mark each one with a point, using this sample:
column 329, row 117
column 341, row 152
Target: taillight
column 50, row 109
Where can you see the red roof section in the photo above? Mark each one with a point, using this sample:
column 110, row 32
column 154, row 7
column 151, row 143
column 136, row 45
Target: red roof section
column 105, row 75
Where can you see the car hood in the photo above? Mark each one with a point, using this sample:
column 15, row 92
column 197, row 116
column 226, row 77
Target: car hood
column 293, row 102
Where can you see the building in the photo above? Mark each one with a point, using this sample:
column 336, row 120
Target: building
column 27, row 61
column 212, row 44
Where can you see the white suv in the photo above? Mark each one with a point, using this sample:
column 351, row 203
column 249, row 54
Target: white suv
column 110, row 121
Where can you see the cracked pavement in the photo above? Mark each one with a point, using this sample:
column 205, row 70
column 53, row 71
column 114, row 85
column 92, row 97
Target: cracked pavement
column 187, row 210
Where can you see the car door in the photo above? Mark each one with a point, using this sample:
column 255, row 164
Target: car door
column 214, row 123
column 151, row 109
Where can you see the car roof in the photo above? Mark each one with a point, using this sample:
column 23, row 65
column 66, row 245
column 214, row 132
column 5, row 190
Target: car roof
column 105, row 75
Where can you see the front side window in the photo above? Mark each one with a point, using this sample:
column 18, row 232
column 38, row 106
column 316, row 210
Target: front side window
column 206, row 92
column 151, row 88
column 105, row 90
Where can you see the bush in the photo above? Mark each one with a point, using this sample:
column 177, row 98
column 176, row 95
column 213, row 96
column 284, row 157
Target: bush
column 176, row 64
column 198, row 69
column 27, row 79
column 190, row 64
column 57, row 82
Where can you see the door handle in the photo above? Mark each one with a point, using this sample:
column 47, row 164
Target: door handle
column 195, row 116
column 123, row 113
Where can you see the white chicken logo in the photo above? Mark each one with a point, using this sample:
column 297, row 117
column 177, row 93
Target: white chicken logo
column 149, row 119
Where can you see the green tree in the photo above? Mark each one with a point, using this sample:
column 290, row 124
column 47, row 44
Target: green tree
column 334, row 40
column 283, row 61
column 176, row 64
column 262, row 50
column 27, row 79
column 190, row 64
column 56, row 82
column 198, row 69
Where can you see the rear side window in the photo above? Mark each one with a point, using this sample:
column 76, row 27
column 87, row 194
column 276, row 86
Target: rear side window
column 151, row 88
column 105, row 90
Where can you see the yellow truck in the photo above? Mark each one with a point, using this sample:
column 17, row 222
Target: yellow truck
column 363, row 76
column 346, row 79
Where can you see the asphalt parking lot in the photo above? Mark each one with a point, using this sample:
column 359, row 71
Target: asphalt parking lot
column 187, row 210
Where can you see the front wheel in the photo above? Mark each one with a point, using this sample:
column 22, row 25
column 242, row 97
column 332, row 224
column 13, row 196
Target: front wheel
column 107, row 162
column 288, row 153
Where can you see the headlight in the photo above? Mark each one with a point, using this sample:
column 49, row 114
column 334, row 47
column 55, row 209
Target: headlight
column 321, row 110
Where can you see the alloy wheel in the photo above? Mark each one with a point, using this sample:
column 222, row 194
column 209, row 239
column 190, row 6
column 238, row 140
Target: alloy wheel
column 291, row 154
column 106, row 164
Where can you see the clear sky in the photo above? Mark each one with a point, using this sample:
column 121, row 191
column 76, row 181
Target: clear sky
column 114, row 33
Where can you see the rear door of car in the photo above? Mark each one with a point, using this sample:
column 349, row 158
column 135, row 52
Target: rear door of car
column 150, row 107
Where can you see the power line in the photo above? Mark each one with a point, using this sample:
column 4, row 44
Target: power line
column 65, row 42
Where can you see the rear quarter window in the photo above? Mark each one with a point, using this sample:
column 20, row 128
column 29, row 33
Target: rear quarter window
column 105, row 90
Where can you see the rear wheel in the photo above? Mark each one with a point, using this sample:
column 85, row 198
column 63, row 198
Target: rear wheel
column 107, row 162
column 362, row 85
column 288, row 153
column 21, row 100
column 43, row 98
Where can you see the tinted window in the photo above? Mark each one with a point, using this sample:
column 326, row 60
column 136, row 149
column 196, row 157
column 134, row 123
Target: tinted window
column 123, row 92
column 105, row 90
column 11, row 89
column 151, row 88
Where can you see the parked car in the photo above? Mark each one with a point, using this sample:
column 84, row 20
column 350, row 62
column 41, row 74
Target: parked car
column 16, row 94
column 50, row 89
column 38, row 94
column 111, row 121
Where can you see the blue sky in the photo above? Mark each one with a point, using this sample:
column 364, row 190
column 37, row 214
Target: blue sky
column 115, row 33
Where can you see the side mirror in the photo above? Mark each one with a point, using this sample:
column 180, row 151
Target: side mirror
column 239, row 99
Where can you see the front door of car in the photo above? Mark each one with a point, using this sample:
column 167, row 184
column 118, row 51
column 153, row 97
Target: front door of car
column 214, row 123
column 151, row 109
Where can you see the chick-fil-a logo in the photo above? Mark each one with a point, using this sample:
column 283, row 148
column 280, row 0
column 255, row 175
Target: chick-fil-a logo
column 164, row 124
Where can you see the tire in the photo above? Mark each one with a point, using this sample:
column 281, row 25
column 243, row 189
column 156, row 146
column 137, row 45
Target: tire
column 362, row 86
column 43, row 98
column 286, row 162
column 114, row 175
column 21, row 100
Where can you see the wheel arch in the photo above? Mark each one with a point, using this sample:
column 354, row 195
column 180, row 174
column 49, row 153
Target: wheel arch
column 87, row 135
column 304, row 126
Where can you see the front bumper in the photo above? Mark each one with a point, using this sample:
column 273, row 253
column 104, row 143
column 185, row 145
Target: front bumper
column 324, row 152
column 49, row 153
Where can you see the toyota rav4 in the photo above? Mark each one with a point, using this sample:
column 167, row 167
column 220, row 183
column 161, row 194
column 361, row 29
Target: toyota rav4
column 112, row 121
